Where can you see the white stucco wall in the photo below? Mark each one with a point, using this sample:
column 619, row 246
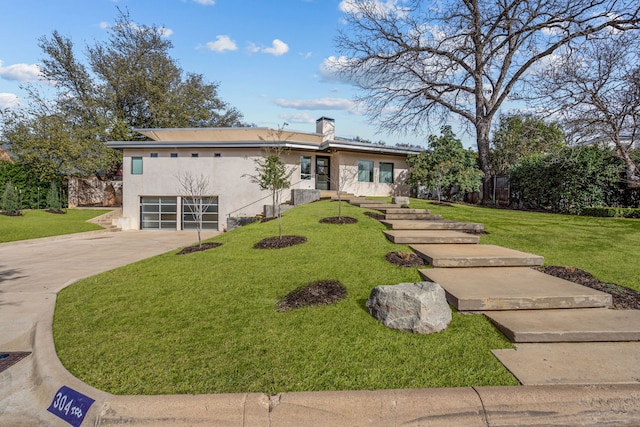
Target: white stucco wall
column 228, row 179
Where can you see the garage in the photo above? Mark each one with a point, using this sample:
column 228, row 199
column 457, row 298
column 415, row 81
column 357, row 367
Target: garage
column 158, row 213
column 192, row 207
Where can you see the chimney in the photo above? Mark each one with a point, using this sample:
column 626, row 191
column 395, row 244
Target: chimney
column 326, row 127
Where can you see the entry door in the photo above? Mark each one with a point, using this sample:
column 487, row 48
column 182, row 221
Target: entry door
column 323, row 173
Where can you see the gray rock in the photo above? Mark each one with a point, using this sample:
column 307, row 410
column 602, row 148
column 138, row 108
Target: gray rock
column 400, row 200
column 419, row 307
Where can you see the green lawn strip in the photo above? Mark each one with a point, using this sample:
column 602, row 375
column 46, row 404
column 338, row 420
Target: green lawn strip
column 604, row 247
column 34, row 224
column 207, row 322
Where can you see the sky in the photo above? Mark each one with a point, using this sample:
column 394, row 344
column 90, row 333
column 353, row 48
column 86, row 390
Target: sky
column 270, row 58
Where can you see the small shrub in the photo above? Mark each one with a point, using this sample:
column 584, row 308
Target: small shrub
column 608, row 212
column 53, row 199
column 10, row 200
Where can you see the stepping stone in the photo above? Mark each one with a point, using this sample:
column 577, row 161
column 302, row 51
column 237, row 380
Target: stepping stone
column 573, row 363
column 432, row 225
column 568, row 325
column 512, row 288
column 372, row 205
column 450, row 255
column 430, row 236
column 410, row 216
column 388, row 210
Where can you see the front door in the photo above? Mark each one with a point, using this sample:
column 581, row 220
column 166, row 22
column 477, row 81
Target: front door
column 323, row 173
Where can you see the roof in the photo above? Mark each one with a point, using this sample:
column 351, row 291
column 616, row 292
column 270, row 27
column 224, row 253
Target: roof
column 252, row 137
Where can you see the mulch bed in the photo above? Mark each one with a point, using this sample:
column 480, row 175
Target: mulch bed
column 623, row 298
column 196, row 248
column 56, row 211
column 375, row 215
column 321, row 292
column 279, row 242
column 435, row 202
column 19, row 213
column 338, row 220
column 404, row 259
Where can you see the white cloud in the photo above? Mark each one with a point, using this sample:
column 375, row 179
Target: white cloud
column 104, row 25
column 9, row 100
column 278, row 47
column 316, row 104
column 380, row 7
column 222, row 44
column 306, row 55
column 297, row 118
column 330, row 70
column 20, row 72
column 205, row 2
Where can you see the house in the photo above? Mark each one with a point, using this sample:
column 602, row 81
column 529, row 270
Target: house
column 151, row 190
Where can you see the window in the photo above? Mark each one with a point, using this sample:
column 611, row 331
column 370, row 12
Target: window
column 365, row 171
column 194, row 154
column 217, row 155
column 305, row 167
column 174, row 155
column 136, row 165
column 386, row 173
column 153, row 155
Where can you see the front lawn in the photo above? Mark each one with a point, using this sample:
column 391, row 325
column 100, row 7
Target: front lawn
column 34, row 224
column 207, row 322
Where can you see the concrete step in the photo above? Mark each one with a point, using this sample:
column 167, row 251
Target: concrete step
column 108, row 220
column 430, row 236
column 451, row 255
column 432, row 225
column 512, row 288
column 388, row 210
column 410, row 216
column 369, row 204
column 573, row 363
column 568, row 325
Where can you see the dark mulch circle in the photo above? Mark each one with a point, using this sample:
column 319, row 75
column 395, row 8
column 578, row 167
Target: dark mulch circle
column 404, row 259
column 56, row 211
column 435, row 202
column 338, row 220
column 375, row 215
column 623, row 298
column 279, row 242
column 19, row 213
column 321, row 292
column 196, row 248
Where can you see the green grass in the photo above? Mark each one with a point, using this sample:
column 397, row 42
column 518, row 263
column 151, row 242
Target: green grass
column 34, row 224
column 608, row 248
column 207, row 322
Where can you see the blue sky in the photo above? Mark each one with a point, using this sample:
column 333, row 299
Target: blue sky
column 269, row 57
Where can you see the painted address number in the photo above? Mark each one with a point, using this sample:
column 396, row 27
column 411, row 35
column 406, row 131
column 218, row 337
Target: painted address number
column 70, row 405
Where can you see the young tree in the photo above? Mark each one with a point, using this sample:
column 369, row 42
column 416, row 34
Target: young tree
column 53, row 199
column 272, row 173
column 595, row 88
column 347, row 176
column 518, row 137
column 11, row 200
column 195, row 190
column 445, row 166
column 417, row 62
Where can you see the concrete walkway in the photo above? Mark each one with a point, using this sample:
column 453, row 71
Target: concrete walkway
column 32, row 272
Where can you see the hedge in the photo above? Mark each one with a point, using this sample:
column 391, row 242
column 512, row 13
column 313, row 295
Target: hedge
column 609, row 212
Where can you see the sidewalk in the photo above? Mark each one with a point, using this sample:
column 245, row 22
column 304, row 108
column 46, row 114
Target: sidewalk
column 32, row 272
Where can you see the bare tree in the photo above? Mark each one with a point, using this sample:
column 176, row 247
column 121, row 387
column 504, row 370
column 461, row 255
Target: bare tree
column 596, row 91
column 195, row 190
column 418, row 62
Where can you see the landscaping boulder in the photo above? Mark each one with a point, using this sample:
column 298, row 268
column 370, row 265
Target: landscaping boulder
column 420, row 307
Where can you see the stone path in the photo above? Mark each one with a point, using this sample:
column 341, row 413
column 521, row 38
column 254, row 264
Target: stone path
column 564, row 333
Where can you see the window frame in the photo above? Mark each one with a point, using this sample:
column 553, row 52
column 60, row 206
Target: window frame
column 380, row 173
column 365, row 167
column 305, row 175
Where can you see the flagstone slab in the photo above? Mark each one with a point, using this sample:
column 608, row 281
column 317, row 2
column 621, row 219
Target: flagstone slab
column 431, row 236
column 432, row 225
column 568, row 325
column 511, row 288
column 452, row 255
column 573, row 363
column 410, row 216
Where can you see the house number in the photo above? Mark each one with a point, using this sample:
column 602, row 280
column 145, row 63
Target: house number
column 70, row 405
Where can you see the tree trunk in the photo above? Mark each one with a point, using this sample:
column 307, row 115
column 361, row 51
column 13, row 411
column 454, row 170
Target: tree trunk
column 631, row 170
column 484, row 157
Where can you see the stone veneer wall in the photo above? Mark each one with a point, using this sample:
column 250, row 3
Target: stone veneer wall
column 94, row 192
